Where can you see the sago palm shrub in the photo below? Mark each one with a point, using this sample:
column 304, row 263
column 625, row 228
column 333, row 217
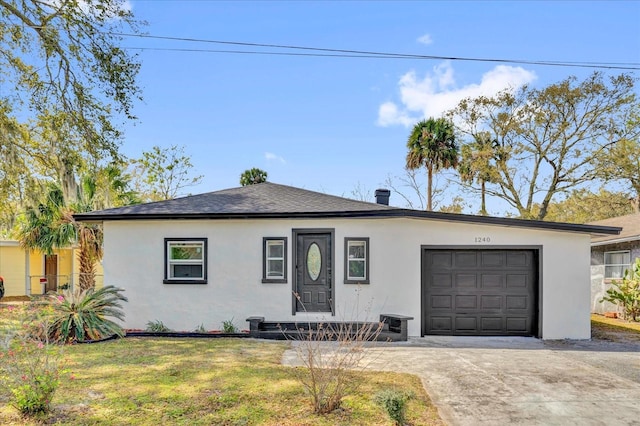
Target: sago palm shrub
column 79, row 315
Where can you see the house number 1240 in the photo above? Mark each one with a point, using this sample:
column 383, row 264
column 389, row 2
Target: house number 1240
column 482, row 239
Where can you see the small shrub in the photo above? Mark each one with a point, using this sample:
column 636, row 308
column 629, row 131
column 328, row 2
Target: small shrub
column 200, row 329
column 157, row 326
column 329, row 352
column 626, row 292
column 229, row 327
column 394, row 403
column 79, row 315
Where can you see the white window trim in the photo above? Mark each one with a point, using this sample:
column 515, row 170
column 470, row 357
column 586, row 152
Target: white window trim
column 625, row 265
column 195, row 242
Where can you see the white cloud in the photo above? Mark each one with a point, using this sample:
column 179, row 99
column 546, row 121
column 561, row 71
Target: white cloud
column 425, row 39
column 436, row 92
column 269, row 156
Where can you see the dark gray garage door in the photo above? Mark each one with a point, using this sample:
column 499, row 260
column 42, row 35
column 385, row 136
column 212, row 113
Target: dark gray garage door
column 479, row 292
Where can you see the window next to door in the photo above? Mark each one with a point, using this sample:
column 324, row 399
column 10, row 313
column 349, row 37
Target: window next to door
column 615, row 263
column 274, row 260
column 185, row 261
column 356, row 262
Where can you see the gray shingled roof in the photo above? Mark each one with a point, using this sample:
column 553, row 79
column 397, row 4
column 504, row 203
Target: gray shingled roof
column 270, row 200
column 263, row 198
column 630, row 225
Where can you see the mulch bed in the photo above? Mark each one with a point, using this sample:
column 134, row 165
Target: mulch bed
column 15, row 299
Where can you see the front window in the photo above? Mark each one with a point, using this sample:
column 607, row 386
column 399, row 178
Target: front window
column 615, row 263
column 185, row 261
column 356, row 261
column 274, row 268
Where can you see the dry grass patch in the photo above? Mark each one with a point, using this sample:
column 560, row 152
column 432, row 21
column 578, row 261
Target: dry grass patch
column 614, row 329
column 202, row 382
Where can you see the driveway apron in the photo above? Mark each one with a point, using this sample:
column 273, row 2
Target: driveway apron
column 522, row 381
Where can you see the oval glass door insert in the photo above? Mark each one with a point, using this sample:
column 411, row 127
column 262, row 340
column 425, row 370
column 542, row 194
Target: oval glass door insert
column 314, row 261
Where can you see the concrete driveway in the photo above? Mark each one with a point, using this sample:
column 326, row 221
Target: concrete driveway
column 521, row 381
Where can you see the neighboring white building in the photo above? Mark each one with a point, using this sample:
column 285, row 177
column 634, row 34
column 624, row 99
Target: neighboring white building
column 248, row 251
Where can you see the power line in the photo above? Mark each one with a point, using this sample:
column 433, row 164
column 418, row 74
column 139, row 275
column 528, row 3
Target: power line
column 347, row 53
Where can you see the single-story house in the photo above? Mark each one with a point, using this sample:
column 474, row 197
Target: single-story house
column 611, row 255
column 289, row 254
column 28, row 272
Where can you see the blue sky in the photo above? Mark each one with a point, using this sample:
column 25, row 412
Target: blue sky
column 333, row 124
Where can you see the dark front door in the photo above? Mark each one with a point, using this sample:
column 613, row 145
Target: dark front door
column 313, row 283
column 51, row 271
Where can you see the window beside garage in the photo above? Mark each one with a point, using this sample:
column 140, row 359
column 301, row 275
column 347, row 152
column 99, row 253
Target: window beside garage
column 274, row 265
column 615, row 263
column 185, row 260
column 356, row 263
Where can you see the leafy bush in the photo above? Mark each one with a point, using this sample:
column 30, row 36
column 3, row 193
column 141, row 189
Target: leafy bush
column 157, row 326
column 200, row 329
column 229, row 327
column 79, row 315
column 395, row 404
column 626, row 292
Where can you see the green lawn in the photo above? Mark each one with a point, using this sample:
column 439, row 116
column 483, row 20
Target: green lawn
column 153, row 381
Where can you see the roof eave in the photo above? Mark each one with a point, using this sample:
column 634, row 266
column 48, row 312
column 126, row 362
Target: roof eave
column 486, row 220
column 616, row 241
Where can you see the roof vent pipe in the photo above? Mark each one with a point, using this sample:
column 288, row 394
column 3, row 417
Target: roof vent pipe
column 382, row 196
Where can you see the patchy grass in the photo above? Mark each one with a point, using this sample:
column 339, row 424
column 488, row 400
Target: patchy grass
column 140, row 381
column 614, row 329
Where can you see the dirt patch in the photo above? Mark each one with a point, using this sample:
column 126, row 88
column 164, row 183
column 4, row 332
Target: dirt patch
column 614, row 333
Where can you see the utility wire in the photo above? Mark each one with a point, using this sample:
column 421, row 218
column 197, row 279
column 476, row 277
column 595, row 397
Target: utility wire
column 347, row 53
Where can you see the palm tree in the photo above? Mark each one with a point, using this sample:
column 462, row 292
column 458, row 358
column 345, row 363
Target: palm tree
column 476, row 164
column 51, row 226
column 253, row 176
column 432, row 144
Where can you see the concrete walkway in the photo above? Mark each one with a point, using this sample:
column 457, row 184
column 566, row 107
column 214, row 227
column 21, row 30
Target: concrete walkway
column 520, row 381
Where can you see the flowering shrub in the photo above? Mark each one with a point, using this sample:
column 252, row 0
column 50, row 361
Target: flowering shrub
column 29, row 370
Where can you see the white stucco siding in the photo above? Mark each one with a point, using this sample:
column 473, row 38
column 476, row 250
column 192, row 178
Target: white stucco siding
column 134, row 259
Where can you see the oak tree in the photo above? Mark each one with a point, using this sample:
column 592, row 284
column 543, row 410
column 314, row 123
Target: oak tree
column 548, row 140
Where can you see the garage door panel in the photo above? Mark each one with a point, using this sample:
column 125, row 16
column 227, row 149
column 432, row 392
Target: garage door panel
column 441, row 280
column 442, row 260
column 465, row 280
column 466, row 302
column 465, row 260
column 517, row 302
column 492, row 259
column 466, row 324
column 441, row 324
column 479, row 292
column 492, row 324
column 491, row 280
column 517, row 280
column 517, row 325
column 491, row 302
column 441, row 302
column 519, row 259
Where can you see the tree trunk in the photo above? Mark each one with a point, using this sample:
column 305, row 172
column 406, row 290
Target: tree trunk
column 429, row 188
column 635, row 202
column 483, row 207
column 87, row 270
